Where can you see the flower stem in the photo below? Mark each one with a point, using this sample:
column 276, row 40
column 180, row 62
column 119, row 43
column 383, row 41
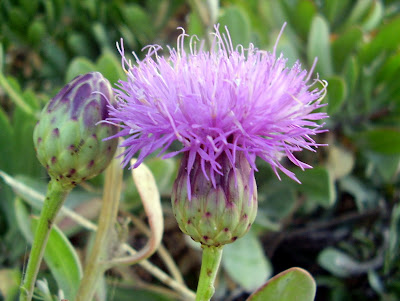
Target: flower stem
column 54, row 200
column 209, row 267
column 95, row 266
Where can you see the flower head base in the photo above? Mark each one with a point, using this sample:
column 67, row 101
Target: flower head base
column 68, row 141
column 224, row 101
column 220, row 215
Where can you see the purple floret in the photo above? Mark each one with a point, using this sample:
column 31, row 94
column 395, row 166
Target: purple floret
column 223, row 101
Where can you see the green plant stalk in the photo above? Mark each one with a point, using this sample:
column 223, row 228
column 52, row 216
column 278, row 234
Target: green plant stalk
column 55, row 197
column 210, row 261
column 95, row 266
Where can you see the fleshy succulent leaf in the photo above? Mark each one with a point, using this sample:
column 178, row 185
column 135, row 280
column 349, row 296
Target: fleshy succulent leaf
column 292, row 284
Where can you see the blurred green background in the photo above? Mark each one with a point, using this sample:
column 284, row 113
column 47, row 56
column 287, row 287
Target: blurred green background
column 342, row 224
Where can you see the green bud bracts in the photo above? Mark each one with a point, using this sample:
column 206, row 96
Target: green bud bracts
column 215, row 215
column 67, row 140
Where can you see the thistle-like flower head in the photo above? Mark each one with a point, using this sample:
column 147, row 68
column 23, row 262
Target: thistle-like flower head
column 228, row 100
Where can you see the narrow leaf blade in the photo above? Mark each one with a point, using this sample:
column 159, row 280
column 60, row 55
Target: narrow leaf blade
column 319, row 46
column 63, row 261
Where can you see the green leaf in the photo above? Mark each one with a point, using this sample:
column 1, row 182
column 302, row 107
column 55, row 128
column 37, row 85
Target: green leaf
column 1, row 58
column 7, row 211
column 80, row 45
column 55, row 55
column 17, row 18
column 319, row 46
column 164, row 172
column 317, row 185
column 23, row 143
column 264, row 223
column 335, row 9
column 126, row 294
column 279, row 199
column 260, row 23
column 128, row 37
column 376, row 282
column 49, row 9
column 359, row 11
column 29, row 6
column 374, row 17
column 139, row 22
column 392, row 252
column 288, row 48
column 380, row 140
column 10, row 280
column 302, row 16
column 110, row 67
column 78, row 66
column 32, row 196
column 36, row 32
column 344, row 45
column 194, row 25
column 238, row 25
column 161, row 11
column 292, row 284
column 387, row 39
column 365, row 198
column 63, row 262
column 386, row 165
column 245, row 262
column 23, row 219
column 100, row 34
column 102, row 288
column 276, row 12
column 32, row 191
column 12, row 88
column 337, row 93
column 58, row 8
column 338, row 263
column 32, row 100
column 42, row 290
column 340, row 161
column 59, row 255
column 351, row 74
column 150, row 196
column 390, row 69
column 6, row 143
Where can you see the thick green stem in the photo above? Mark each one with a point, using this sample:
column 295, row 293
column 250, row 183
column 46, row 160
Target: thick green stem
column 95, row 266
column 54, row 200
column 209, row 267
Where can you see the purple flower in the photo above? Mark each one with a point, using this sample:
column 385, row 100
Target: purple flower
column 224, row 101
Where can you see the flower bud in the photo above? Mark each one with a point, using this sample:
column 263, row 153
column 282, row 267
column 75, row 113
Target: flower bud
column 68, row 142
column 220, row 214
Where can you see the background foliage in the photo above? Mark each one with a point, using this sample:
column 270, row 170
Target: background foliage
column 342, row 224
